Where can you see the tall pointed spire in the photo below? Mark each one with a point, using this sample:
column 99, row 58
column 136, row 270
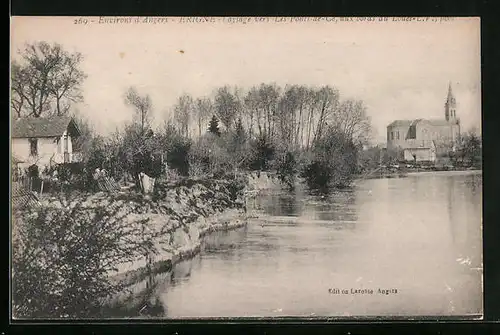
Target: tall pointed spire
column 450, row 99
column 450, row 105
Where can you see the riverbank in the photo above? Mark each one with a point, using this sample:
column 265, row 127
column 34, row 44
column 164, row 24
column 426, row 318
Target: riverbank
column 114, row 240
column 179, row 217
column 401, row 172
column 180, row 243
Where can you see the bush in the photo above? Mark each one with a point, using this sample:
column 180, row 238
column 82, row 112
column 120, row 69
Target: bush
column 317, row 175
column 287, row 169
column 178, row 156
column 333, row 162
column 61, row 256
column 262, row 153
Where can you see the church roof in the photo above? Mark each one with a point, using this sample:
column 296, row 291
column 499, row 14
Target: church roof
column 396, row 123
column 437, row 122
column 408, row 123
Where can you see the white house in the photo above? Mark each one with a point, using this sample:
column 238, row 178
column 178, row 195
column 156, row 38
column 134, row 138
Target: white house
column 420, row 151
column 43, row 141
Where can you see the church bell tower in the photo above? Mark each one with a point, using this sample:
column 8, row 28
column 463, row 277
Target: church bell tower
column 450, row 107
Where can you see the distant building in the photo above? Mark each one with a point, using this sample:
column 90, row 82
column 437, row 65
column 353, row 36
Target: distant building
column 43, row 141
column 424, row 140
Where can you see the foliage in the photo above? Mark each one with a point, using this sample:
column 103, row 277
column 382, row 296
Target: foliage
column 261, row 155
column 287, row 169
column 62, row 254
column 210, row 155
column 213, row 126
column 334, row 161
column 236, row 146
column 178, row 155
column 468, row 150
column 227, row 106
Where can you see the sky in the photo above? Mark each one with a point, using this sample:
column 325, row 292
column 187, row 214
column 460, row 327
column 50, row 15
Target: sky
column 401, row 70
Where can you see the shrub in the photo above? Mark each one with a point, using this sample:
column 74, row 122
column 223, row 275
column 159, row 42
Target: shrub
column 262, row 153
column 62, row 254
column 177, row 156
column 287, row 169
column 333, row 162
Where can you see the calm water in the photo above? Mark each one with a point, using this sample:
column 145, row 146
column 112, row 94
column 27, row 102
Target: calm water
column 419, row 235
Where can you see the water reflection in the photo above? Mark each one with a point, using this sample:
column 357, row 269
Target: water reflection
column 421, row 235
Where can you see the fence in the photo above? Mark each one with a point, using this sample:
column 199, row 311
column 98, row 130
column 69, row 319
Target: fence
column 23, row 193
column 25, row 183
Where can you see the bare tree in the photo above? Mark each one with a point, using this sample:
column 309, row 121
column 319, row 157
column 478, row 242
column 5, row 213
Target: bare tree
column 269, row 97
column 352, row 120
column 287, row 115
column 142, row 106
column 44, row 76
column 252, row 106
column 328, row 100
column 227, row 106
column 311, row 102
column 182, row 113
column 203, row 111
column 18, row 84
column 65, row 81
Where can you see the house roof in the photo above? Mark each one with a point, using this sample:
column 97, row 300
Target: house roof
column 43, row 127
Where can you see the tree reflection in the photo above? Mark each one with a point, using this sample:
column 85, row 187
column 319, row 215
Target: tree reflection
column 337, row 207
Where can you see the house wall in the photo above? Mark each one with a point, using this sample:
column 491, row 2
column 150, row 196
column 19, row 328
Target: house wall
column 443, row 135
column 425, row 131
column 396, row 141
column 50, row 150
column 422, row 154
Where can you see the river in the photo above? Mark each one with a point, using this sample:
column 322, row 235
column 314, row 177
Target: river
column 418, row 239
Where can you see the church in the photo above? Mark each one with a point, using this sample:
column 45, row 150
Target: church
column 423, row 140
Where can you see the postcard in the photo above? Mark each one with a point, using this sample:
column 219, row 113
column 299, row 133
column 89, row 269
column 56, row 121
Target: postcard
column 246, row 167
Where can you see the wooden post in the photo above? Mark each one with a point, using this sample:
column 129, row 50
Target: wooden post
column 41, row 189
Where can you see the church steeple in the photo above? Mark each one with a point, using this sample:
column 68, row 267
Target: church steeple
column 450, row 106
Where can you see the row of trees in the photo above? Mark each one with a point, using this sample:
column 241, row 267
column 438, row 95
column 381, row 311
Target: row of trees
column 294, row 115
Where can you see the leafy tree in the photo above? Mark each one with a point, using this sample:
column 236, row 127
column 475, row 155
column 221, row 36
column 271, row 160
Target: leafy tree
column 213, row 126
column 334, row 161
column 178, row 155
column 262, row 153
column 469, row 149
column 237, row 145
